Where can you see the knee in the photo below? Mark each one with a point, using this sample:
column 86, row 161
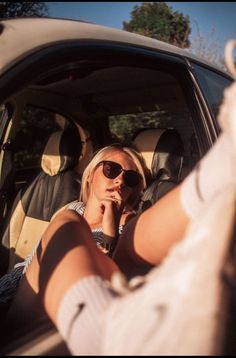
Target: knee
column 67, row 230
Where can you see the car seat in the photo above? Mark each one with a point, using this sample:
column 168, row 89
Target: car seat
column 163, row 152
column 55, row 186
column 87, row 149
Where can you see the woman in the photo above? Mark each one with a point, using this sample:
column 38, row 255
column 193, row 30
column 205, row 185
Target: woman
column 111, row 187
column 110, row 192
column 72, row 277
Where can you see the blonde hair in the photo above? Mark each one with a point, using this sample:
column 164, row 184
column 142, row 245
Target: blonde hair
column 101, row 155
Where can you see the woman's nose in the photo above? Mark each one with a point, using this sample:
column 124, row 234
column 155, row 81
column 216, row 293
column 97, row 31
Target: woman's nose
column 120, row 178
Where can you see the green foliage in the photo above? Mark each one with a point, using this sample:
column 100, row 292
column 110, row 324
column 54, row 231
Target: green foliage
column 158, row 21
column 24, row 8
column 124, row 126
column 208, row 47
column 34, row 129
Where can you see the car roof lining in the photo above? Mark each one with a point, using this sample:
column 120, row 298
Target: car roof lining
column 115, row 87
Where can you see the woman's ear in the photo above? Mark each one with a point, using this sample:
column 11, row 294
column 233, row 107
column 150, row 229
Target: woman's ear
column 89, row 179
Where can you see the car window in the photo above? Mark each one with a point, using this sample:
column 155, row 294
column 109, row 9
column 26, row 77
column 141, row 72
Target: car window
column 212, row 85
column 33, row 131
column 160, row 106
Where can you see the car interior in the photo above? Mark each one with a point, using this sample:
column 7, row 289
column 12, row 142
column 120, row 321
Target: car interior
column 163, row 152
column 59, row 118
column 57, row 184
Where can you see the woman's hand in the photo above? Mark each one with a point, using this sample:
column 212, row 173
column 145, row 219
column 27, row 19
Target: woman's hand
column 112, row 208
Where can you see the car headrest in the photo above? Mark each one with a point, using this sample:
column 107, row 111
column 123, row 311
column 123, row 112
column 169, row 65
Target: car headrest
column 61, row 152
column 163, row 152
column 87, row 149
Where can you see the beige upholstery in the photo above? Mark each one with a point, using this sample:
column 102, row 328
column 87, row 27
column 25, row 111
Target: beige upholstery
column 146, row 142
column 55, row 186
column 163, row 152
column 51, row 160
column 22, row 230
column 87, row 145
column 87, row 149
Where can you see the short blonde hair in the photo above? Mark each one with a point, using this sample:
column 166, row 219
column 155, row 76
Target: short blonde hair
column 101, row 155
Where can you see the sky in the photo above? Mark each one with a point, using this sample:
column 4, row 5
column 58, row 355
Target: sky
column 214, row 20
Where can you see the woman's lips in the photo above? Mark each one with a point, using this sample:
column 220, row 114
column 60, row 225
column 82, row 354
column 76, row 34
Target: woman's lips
column 118, row 189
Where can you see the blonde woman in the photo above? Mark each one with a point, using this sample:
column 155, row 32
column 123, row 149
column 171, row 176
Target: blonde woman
column 70, row 278
column 73, row 278
column 111, row 187
column 75, row 288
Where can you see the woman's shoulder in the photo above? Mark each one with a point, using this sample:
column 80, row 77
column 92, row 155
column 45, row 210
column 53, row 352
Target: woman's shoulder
column 77, row 206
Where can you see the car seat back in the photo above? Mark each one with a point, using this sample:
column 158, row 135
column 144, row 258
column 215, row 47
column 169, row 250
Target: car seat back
column 56, row 185
column 87, row 149
column 163, row 152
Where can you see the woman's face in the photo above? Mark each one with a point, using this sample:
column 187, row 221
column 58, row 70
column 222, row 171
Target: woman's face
column 103, row 187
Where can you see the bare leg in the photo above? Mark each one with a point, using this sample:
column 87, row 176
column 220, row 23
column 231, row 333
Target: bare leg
column 147, row 239
column 68, row 254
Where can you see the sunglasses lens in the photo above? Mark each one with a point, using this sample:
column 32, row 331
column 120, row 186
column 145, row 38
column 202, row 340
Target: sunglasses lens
column 131, row 178
column 111, row 170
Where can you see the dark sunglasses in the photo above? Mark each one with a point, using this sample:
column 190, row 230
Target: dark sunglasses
column 111, row 170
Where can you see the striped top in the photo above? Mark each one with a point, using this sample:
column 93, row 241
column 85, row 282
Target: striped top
column 10, row 281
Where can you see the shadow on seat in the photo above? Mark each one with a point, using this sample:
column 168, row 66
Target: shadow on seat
column 163, row 152
column 55, row 186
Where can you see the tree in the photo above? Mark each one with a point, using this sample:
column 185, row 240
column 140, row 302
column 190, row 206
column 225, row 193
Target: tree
column 158, row 21
column 208, row 47
column 24, row 8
